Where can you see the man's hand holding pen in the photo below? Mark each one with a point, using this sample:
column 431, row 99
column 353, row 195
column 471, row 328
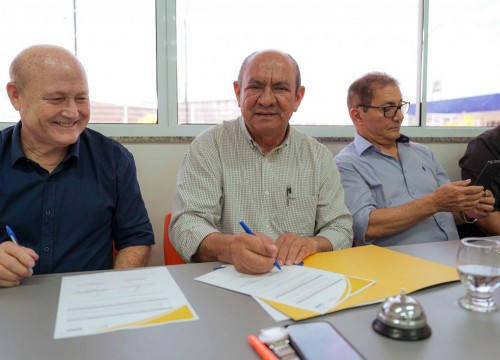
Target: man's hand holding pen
column 15, row 263
column 253, row 254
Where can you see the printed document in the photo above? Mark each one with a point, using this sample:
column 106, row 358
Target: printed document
column 118, row 300
column 313, row 290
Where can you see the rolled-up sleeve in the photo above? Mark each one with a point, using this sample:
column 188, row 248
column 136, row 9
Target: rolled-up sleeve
column 333, row 220
column 197, row 204
column 131, row 224
column 358, row 197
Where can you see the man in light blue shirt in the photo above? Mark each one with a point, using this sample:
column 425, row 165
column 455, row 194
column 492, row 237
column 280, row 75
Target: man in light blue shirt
column 397, row 191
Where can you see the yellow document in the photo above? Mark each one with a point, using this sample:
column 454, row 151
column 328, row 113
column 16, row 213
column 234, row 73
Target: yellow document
column 391, row 270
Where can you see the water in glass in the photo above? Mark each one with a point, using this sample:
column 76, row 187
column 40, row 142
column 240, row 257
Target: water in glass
column 478, row 265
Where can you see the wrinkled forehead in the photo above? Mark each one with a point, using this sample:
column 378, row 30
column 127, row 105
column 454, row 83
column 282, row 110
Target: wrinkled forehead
column 270, row 67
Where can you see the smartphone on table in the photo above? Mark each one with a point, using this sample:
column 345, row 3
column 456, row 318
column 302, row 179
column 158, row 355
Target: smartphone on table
column 320, row 340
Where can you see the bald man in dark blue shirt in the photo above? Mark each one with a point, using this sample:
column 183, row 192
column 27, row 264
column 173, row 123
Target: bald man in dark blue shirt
column 66, row 191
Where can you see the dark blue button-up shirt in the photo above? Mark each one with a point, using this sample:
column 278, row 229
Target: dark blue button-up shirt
column 71, row 216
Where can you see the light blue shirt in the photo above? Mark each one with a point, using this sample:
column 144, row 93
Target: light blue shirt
column 373, row 180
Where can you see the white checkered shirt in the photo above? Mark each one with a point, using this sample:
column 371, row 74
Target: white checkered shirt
column 225, row 178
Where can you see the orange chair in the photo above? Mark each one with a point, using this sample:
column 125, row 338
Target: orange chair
column 169, row 252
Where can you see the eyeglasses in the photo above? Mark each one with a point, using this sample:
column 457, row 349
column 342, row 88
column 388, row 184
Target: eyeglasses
column 390, row 111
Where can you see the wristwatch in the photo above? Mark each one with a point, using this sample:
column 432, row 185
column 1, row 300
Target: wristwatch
column 468, row 220
column 276, row 339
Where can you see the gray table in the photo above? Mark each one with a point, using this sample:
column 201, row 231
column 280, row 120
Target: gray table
column 28, row 313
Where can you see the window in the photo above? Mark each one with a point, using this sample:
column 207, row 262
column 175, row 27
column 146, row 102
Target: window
column 116, row 44
column 463, row 72
column 334, row 43
column 188, row 53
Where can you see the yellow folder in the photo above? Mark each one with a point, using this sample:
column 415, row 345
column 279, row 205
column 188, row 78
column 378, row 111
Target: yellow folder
column 391, row 271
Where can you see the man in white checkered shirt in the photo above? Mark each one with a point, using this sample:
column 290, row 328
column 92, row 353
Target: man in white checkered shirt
column 283, row 184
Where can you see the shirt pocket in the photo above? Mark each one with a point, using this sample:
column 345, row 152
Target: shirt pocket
column 298, row 216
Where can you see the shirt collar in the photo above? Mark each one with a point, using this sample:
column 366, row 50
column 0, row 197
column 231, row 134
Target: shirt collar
column 74, row 149
column 251, row 142
column 403, row 139
column 361, row 144
column 18, row 153
column 246, row 134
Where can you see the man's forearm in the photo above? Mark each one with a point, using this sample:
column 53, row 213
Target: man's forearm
column 214, row 247
column 389, row 221
column 132, row 256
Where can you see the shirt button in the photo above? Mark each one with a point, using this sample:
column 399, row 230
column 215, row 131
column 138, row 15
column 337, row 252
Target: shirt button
column 266, row 192
column 47, row 212
column 46, row 249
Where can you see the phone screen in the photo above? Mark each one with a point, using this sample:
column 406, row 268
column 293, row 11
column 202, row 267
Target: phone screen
column 320, row 340
column 488, row 174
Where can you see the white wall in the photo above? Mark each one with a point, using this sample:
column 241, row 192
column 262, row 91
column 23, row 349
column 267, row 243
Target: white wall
column 157, row 166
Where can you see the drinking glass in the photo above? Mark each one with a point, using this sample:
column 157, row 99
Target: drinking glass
column 478, row 265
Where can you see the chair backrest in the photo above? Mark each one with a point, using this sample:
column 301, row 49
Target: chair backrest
column 169, row 252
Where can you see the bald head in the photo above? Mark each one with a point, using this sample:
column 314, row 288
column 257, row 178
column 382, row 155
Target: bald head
column 32, row 61
column 269, row 53
column 49, row 89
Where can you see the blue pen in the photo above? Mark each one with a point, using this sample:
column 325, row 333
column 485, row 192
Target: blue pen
column 14, row 239
column 248, row 231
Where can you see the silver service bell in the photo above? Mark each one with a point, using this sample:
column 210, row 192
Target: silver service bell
column 401, row 317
